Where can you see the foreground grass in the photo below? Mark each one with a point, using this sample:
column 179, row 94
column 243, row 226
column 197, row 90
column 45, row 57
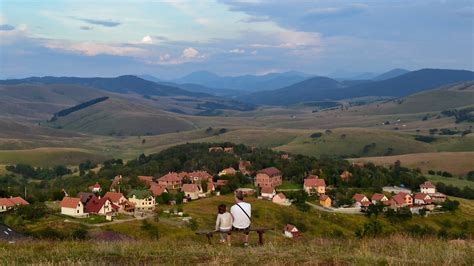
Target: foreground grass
column 394, row 250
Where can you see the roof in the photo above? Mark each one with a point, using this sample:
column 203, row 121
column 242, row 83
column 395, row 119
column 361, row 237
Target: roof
column 290, row 228
column 95, row 204
column 140, row 194
column 267, row 190
column 113, row 196
column 358, row 197
column 6, row 202
column 229, row 170
column 378, row 196
column 222, row 182
column 281, row 195
column 96, row 185
column 324, row 197
column 270, row 171
column 201, row 174
column 190, row 188
column 427, row 184
column 399, row 199
column 85, row 196
column 157, row 189
column 19, row 201
column 244, row 164
column 314, row 182
column 421, row 196
column 145, row 179
column 170, row 177
column 69, row 202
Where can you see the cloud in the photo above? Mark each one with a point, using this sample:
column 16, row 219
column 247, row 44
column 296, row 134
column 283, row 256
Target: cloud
column 6, row 27
column 253, row 19
column 326, row 12
column 189, row 53
column 85, row 28
column 147, row 40
column 202, row 21
column 105, row 23
column 237, row 51
column 93, row 49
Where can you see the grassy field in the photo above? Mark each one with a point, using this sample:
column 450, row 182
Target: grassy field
column 458, row 163
column 394, row 251
column 451, row 181
column 48, row 156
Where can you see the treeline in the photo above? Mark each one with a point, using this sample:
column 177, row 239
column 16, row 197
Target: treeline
column 78, row 107
column 461, row 115
column 32, row 172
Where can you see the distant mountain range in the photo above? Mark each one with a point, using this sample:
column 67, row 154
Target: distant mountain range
column 321, row 88
column 121, row 84
column 248, row 83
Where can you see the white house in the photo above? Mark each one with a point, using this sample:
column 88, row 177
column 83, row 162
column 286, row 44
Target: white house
column 192, row 191
column 291, row 231
column 267, row 192
column 428, row 188
column 142, row 199
column 72, row 207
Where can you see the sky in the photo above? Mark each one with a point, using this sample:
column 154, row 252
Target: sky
column 172, row 38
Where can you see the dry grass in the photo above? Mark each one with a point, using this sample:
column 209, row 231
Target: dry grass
column 395, row 250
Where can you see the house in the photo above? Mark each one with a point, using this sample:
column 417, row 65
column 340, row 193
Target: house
column 267, row 192
column 146, row 179
column 345, row 176
column 72, row 207
column 438, row 197
column 361, row 200
column 313, row 184
column 6, row 204
column 284, row 156
column 325, row 201
column 402, row 199
column 227, row 171
column 428, row 188
column 378, row 197
column 291, row 231
column 191, row 191
column 281, row 199
column 96, row 188
column 142, row 199
column 198, row 176
column 268, row 177
column 396, row 189
column 407, row 197
column 100, row 206
column 221, row 182
column 85, row 197
column 243, row 167
column 215, row 149
column 18, row 201
column 171, row 181
column 157, row 190
column 422, row 199
column 246, row 191
column 210, row 186
column 117, row 199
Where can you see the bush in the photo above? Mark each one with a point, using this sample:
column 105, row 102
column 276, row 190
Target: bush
column 80, row 234
column 316, row 135
column 193, row 224
column 373, row 228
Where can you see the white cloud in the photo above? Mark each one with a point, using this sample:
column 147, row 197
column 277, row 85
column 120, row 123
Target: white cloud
column 190, row 53
column 202, row 21
column 147, row 40
column 254, row 52
column 289, row 39
column 92, row 49
column 237, row 51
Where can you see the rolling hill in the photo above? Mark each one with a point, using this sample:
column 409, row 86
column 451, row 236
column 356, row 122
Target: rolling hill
column 121, row 84
column 391, row 74
column 319, row 88
column 118, row 117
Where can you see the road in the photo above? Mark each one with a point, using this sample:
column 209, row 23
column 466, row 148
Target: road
column 335, row 210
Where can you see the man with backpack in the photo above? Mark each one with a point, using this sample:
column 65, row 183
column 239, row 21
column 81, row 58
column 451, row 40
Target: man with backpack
column 241, row 212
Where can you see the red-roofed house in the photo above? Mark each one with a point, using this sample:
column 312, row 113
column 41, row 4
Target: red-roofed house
column 221, row 182
column 146, row 179
column 361, row 200
column 72, row 207
column 438, row 197
column 291, row 231
column 428, row 188
column 281, row 199
column 101, row 206
column 407, row 197
column 171, row 181
column 157, row 190
column 191, row 191
column 378, row 197
column 313, row 184
column 6, row 204
column 402, row 199
column 243, row 167
column 198, row 176
column 267, row 192
column 422, row 199
column 346, row 175
column 227, row 171
column 19, row 201
column 229, row 149
column 117, row 199
column 325, row 201
column 96, row 188
column 268, row 177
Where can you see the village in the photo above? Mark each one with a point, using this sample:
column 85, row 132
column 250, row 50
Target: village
column 265, row 184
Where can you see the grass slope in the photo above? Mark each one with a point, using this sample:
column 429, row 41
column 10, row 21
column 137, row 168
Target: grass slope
column 48, row 156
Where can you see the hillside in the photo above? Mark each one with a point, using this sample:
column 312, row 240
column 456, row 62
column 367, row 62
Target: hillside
column 319, row 89
column 391, row 74
column 121, row 84
column 116, row 117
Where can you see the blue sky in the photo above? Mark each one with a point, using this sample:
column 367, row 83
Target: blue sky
column 231, row 37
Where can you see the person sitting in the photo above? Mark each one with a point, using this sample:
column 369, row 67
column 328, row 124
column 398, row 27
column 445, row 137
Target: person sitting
column 241, row 212
column 224, row 223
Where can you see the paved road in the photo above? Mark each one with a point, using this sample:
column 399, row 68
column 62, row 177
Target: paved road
column 335, row 210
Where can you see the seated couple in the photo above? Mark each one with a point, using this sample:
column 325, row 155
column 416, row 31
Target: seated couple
column 237, row 220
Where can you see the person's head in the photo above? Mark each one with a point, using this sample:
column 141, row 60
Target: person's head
column 222, row 208
column 239, row 196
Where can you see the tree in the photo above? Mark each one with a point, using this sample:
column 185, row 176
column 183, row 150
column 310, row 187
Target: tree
column 373, row 228
column 204, row 185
